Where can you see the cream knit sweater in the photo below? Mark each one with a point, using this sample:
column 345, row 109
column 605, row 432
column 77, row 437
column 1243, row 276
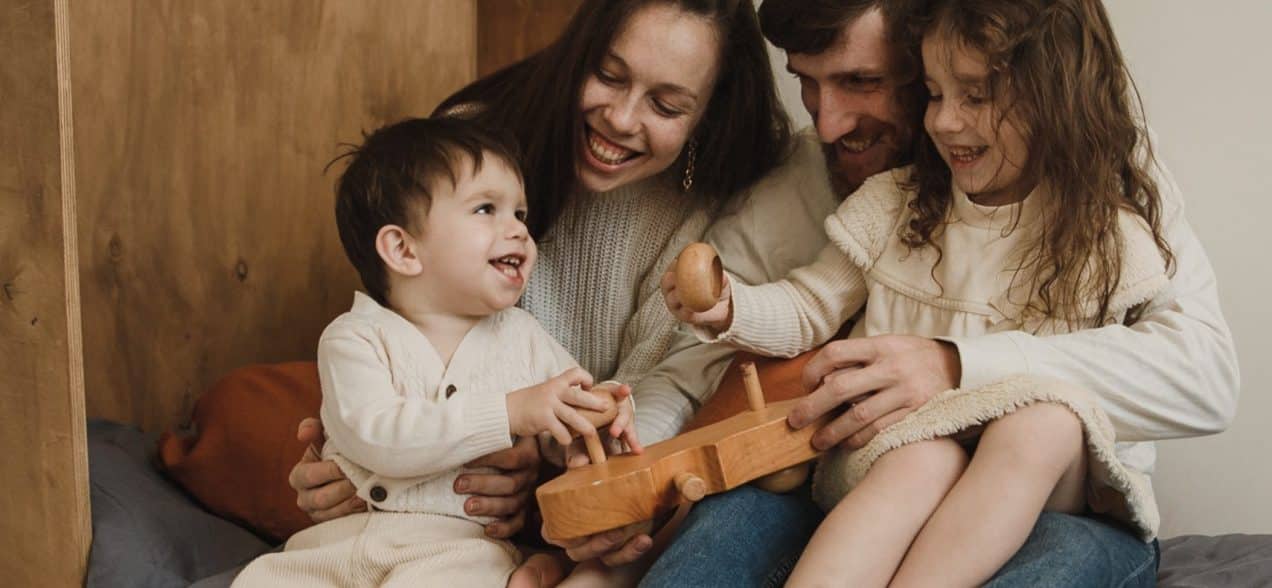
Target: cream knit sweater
column 974, row 290
column 401, row 423
column 595, row 288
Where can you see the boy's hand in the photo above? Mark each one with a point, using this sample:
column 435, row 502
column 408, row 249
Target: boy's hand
column 621, row 431
column 718, row 318
column 624, row 426
column 551, row 407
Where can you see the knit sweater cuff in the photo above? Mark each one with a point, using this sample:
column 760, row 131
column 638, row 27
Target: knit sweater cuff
column 988, row 358
column 758, row 325
column 487, row 415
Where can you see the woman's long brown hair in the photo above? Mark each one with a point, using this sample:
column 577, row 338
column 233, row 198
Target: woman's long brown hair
column 1055, row 69
column 743, row 134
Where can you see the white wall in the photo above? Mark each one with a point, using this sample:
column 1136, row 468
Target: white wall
column 1207, row 89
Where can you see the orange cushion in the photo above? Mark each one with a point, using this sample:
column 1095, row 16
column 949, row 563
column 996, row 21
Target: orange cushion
column 245, row 445
column 780, row 379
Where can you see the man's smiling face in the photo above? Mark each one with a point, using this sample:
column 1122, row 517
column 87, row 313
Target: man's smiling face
column 851, row 90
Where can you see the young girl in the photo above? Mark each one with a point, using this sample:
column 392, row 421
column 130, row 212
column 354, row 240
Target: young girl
column 1030, row 207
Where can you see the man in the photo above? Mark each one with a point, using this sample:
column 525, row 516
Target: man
column 1172, row 374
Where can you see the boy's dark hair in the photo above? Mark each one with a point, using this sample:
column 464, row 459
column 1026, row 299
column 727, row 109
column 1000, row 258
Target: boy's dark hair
column 391, row 177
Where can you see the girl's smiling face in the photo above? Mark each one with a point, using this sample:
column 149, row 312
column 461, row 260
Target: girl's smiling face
column 985, row 148
column 646, row 96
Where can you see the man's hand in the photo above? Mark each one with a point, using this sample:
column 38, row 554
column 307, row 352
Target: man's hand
column 877, row 380
column 615, row 547
column 502, row 495
column 322, row 490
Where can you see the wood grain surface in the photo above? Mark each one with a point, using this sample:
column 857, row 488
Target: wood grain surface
column 207, row 239
column 631, row 488
column 508, row 30
column 45, row 529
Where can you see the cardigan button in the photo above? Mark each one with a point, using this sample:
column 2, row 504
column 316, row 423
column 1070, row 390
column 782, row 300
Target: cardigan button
column 450, row 389
column 378, row 493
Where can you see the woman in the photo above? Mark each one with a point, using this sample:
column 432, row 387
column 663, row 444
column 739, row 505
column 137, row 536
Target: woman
column 636, row 126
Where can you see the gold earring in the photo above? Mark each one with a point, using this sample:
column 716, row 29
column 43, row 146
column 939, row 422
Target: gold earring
column 687, row 182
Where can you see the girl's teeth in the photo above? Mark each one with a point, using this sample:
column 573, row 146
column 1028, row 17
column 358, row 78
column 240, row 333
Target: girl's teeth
column 966, row 153
column 605, row 153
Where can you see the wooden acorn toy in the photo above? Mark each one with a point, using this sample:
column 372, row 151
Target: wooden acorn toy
column 719, row 457
column 699, row 277
column 699, row 281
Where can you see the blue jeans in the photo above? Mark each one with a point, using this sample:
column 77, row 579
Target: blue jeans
column 749, row 537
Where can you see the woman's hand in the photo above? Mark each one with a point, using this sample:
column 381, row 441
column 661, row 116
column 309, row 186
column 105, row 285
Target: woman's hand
column 615, row 547
column 322, row 490
column 718, row 318
column 504, row 494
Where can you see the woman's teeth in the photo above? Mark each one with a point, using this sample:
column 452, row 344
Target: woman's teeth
column 607, row 152
column 966, row 154
column 858, row 145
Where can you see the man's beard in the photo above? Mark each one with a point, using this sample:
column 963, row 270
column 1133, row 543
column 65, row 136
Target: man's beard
column 840, row 184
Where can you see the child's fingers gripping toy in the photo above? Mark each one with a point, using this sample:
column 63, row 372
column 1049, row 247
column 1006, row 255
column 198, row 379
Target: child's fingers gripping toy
column 598, row 419
column 632, row 488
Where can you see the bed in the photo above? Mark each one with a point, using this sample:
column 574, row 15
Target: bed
column 148, row 533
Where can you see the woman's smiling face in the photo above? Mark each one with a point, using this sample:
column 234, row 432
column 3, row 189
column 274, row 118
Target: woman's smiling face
column 647, row 94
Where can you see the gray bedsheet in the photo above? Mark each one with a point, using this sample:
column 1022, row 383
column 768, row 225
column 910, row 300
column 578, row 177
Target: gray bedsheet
column 1224, row 560
column 148, row 533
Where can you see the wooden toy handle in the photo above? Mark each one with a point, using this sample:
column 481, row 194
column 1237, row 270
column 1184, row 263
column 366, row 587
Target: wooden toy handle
column 699, row 277
column 690, row 487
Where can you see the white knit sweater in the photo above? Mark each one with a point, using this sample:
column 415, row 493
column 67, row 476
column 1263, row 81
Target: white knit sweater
column 1171, row 374
column 401, row 423
column 973, row 291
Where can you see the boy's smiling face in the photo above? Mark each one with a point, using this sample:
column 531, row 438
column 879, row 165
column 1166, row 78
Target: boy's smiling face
column 474, row 248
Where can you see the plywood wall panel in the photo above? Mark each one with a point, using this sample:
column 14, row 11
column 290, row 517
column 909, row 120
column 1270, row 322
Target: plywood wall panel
column 508, row 30
column 44, row 512
column 207, row 237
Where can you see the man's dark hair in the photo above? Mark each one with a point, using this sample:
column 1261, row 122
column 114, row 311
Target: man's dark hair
column 809, row 26
column 391, row 177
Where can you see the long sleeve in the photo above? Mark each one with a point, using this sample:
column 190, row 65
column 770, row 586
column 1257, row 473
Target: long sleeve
column 670, row 394
column 804, row 310
column 772, row 229
column 1172, row 374
column 395, row 435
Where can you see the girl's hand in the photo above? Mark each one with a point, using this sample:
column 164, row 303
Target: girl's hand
column 551, row 407
column 718, row 318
